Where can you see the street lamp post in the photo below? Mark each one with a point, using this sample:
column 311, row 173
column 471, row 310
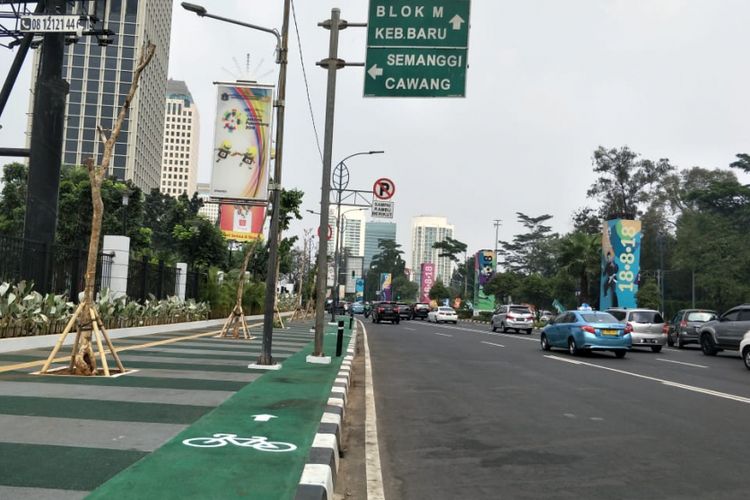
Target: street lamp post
column 498, row 223
column 282, row 39
column 337, row 259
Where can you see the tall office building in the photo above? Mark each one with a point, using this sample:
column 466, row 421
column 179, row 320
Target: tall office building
column 375, row 232
column 179, row 168
column 425, row 231
column 100, row 78
column 352, row 230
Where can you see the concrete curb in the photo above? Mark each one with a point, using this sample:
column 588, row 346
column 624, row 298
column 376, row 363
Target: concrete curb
column 318, row 478
column 36, row 341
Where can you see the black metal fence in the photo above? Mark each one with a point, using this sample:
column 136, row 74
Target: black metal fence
column 52, row 268
column 61, row 270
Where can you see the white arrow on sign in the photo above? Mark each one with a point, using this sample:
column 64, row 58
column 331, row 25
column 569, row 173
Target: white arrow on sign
column 263, row 418
column 457, row 21
column 375, row 72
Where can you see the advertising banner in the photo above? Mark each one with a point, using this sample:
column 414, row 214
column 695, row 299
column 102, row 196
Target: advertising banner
column 242, row 142
column 428, row 279
column 484, row 270
column 241, row 222
column 621, row 261
column 385, row 287
column 359, row 290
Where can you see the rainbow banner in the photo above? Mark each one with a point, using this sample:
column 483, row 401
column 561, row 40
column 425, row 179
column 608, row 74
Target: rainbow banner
column 427, row 274
column 621, row 262
column 242, row 142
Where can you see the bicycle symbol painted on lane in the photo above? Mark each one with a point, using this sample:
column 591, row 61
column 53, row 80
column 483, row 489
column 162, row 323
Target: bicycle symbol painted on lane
column 260, row 443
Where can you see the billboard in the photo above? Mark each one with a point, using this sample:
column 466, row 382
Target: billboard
column 484, row 270
column 385, row 287
column 428, row 279
column 241, row 222
column 621, row 260
column 242, row 142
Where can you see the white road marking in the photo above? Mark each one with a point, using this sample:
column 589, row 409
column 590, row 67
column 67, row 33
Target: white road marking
column 410, row 329
column 372, row 450
column 692, row 388
column 490, row 343
column 680, row 363
column 596, row 419
column 442, row 334
column 569, row 415
column 485, row 332
column 572, row 361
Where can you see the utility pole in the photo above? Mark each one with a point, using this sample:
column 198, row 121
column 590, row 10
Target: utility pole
column 265, row 357
column 497, row 222
column 45, row 158
column 332, row 64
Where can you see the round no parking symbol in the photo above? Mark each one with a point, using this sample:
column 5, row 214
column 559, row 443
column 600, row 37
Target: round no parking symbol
column 384, row 188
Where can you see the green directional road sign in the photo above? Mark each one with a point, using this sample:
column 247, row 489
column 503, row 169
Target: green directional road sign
column 417, row 48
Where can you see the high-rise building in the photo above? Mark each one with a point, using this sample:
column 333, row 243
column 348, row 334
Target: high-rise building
column 179, row 168
column 375, row 232
column 427, row 230
column 352, row 231
column 100, row 78
column 209, row 210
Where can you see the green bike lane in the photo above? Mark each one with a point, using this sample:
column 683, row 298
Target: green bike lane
column 61, row 437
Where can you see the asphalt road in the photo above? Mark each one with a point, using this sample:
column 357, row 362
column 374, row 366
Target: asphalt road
column 465, row 413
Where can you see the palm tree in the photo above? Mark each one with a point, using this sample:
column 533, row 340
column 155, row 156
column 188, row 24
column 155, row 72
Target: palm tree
column 580, row 255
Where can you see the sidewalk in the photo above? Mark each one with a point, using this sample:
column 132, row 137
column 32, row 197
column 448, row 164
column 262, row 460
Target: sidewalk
column 61, row 437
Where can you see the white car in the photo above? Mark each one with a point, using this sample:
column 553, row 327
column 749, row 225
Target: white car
column 745, row 349
column 443, row 314
column 513, row 316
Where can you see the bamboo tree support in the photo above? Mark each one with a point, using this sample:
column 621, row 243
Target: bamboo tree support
column 236, row 319
column 86, row 319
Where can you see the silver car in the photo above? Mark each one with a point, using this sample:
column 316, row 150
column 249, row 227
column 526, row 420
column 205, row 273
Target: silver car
column 727, row 332
column 646, row 326
column 512, row 316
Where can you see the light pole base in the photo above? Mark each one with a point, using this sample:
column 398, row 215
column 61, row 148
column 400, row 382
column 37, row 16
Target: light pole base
column 256, row 366
column 318, row 360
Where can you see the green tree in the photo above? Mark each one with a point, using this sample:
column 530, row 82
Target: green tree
column 404, row 290
column 625, row 182
column 532, row 251
column 451, row 248
column 13, row 199
column 503, row 286
column 648, row 295
column 388, row 260
column 439, row 292
column 199, row 242
column 580, row 257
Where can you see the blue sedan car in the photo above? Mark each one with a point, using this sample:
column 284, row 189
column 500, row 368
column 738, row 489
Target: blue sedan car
column 579, row 331
column 358, row 308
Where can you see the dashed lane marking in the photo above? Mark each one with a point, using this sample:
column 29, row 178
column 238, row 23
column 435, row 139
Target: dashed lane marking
column 680, row 363
column 491, row 343
column 442, row 334
column 692, row 388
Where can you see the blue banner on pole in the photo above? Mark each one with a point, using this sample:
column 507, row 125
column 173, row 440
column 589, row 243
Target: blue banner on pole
column 621, row 260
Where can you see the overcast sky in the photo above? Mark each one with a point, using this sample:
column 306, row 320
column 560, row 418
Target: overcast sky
column 548, row 82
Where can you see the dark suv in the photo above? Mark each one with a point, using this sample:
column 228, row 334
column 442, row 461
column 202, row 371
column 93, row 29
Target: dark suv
column 725, row 332
column 419, row 310
column 385, row 311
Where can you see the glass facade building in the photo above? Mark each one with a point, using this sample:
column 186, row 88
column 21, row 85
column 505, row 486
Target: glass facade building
column 374, row 233
column 100, row 78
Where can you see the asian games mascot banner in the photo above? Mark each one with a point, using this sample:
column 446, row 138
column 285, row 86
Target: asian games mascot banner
column 484, row 270
column 621, row 262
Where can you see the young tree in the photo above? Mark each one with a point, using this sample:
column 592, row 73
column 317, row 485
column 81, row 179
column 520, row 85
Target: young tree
column 580, row 257
column 450, row 248
column 439, row 291
column 86, row 318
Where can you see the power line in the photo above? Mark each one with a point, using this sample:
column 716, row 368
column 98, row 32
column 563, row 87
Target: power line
column 307, row 86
